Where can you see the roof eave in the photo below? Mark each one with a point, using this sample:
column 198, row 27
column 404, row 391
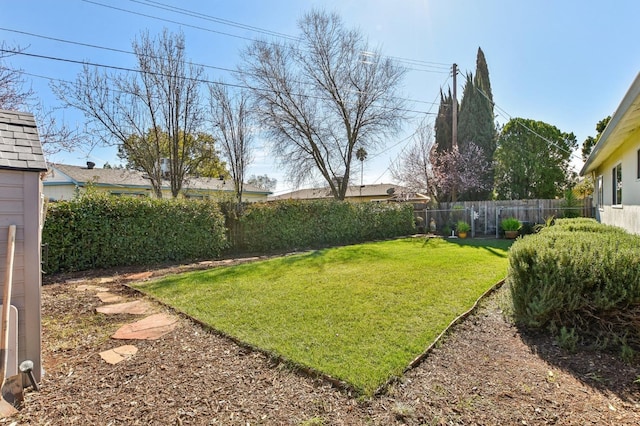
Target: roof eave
column 630, row 97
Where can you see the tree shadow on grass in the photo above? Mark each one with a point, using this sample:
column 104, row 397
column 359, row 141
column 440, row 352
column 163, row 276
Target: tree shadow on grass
column 496, row 247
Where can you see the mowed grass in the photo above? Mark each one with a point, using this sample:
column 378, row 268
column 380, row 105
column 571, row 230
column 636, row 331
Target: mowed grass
column 358, row 313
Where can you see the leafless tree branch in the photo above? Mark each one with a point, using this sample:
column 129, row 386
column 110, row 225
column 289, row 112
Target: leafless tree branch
column 321, row 97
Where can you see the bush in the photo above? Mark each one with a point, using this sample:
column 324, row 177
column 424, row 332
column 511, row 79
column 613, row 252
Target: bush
column 463, row 226
column 100, row 231
column 510, row 224
column 292, row 224
column 578, row 274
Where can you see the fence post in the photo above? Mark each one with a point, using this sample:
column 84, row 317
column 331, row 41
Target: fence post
column 497, row 214
column 473, row 222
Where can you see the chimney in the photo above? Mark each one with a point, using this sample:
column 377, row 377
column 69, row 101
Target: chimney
column 90, row 165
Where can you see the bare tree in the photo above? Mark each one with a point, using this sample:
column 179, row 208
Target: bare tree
column 232, row 124
column 13, row 95
column 413, row 167
column 150, row 113
column 320, row 97
column 55, row 135
column 263, row 182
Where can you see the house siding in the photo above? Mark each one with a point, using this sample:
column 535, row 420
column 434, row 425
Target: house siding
column 20, row 205
column 65, row 182
column 626, row 215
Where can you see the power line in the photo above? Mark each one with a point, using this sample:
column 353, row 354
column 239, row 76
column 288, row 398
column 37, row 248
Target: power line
column 437, row 70
column 416, row 62
column 197, row 80
column 415, row 132
column 168, row 20
column 112, row 49
column 211, row 18
column 187, row 12
column 505, row 114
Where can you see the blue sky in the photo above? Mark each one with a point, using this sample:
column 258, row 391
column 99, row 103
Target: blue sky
column 568, row 63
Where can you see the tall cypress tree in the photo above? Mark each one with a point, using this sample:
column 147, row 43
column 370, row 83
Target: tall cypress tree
column 443, row 132
column 476, row 121
column 468, row 118
column 482, row 76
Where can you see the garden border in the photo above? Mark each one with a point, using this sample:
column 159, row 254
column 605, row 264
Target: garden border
column 309, row 371
column 420, row 358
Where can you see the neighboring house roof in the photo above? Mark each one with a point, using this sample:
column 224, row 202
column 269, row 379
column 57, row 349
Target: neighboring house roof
column 20, row 147
column 202, row 183
column 382, row 191
column 133, row 179
column 83, row 175
column 624, row 122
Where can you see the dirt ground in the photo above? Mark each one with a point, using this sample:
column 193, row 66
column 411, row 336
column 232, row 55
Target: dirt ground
column 485, row 372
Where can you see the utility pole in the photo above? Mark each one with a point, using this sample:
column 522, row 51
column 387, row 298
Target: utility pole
column 454, row 121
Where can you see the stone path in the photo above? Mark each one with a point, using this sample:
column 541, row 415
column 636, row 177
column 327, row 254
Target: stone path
column 137, row 307
column 153, row 326
column 150, row 328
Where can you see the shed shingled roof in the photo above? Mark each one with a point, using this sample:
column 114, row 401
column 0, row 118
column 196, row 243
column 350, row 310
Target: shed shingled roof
column 20, row 147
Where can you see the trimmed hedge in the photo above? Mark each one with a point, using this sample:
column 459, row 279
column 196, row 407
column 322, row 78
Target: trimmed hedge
column 580, row 275
column 100, row 231
column 294, row 224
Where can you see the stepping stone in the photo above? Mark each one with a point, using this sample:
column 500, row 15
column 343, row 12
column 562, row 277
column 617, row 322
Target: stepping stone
column 107, row 297
column 137, row 307
column 119, row 354
column 139, row 276
column 150, row 328
column 89, row 287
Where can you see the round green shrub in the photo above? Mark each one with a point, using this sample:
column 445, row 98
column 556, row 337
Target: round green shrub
column 572, row 273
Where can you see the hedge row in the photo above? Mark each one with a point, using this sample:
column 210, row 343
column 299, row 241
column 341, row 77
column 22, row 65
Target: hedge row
column 578, row 275
column 289, row 225
column 100, row 231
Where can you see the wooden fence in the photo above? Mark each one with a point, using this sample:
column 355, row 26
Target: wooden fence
column 485, row 216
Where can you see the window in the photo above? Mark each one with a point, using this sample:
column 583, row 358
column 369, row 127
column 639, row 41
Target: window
column 600, row 189
column 616, row 178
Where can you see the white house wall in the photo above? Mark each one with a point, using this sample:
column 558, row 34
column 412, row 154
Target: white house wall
column 626, row 215
column 59, row 192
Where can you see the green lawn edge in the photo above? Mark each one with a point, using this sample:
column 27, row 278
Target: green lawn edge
column 359, row 314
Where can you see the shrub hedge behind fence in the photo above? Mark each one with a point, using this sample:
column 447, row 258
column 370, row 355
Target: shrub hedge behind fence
column 581, row 276
column 100, row 231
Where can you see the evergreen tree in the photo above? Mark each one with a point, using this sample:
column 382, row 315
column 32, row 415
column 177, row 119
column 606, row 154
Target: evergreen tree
column 476, row 123
column 482, row 76
column 468, row 118
column 533, row 160
column 590, row 142
column 443, row 138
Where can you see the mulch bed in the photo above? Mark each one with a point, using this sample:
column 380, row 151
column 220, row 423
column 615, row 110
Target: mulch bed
column 486, row 372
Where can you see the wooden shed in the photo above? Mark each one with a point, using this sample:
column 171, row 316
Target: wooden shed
column 21, row 204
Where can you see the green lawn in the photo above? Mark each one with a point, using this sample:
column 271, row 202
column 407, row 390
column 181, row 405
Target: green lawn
column 359, row 313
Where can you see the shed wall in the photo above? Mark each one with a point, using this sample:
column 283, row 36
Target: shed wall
column 20, row 204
